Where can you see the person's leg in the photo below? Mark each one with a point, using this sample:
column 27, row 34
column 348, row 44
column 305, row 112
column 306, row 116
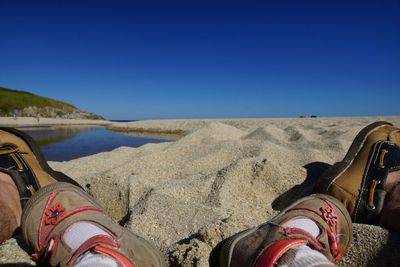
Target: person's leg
column 390, row 216
column 10, row 207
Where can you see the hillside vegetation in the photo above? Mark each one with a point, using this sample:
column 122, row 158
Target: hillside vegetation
column 27, row 104
column 14, row 99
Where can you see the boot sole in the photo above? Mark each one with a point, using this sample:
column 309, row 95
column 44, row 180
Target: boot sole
column 58, row 176
column 327, row 178
column 224, row 251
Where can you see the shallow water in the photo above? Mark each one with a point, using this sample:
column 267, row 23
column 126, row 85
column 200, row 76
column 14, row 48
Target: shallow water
column 71, row 142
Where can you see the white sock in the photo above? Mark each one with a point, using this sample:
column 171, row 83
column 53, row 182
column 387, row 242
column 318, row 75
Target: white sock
column 94, row 259
column 305, row 224
column 303, row 256
column 77, row 234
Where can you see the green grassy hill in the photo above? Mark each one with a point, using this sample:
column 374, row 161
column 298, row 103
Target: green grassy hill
column 26, row 104
column 15, row 99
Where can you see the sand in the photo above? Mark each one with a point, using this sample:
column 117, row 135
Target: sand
column 218, row 178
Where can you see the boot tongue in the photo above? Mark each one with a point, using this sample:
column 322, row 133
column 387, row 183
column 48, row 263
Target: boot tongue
column 394, row 136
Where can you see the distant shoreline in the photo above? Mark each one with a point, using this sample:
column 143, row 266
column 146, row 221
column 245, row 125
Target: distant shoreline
column 123, row 120
column 22, row 122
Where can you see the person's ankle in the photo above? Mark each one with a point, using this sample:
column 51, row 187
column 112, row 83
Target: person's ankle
column 392, row 179
column 390, row 216
column 10, row 207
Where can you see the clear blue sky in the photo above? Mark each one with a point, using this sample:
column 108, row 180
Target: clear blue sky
column 202, row 59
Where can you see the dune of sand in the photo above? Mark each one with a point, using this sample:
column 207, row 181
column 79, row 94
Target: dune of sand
column 221, row 177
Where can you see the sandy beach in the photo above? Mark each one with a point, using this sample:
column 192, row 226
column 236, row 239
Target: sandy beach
column 221, row 176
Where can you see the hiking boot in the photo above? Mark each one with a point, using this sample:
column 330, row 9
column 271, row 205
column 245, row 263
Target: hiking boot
column 59, row 208
column 358, row 181
column 21, row 158
column 265, row 244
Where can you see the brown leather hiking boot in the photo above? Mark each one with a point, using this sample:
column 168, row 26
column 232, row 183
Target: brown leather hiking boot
column 21, row 158
column 57, row 208
column 358, row 180
column 265, row 244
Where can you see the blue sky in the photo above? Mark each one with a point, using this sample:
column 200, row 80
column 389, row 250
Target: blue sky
column 206, row 59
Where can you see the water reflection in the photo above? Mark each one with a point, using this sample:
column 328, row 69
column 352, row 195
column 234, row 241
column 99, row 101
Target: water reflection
column 66, row 143
column 50, row 135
